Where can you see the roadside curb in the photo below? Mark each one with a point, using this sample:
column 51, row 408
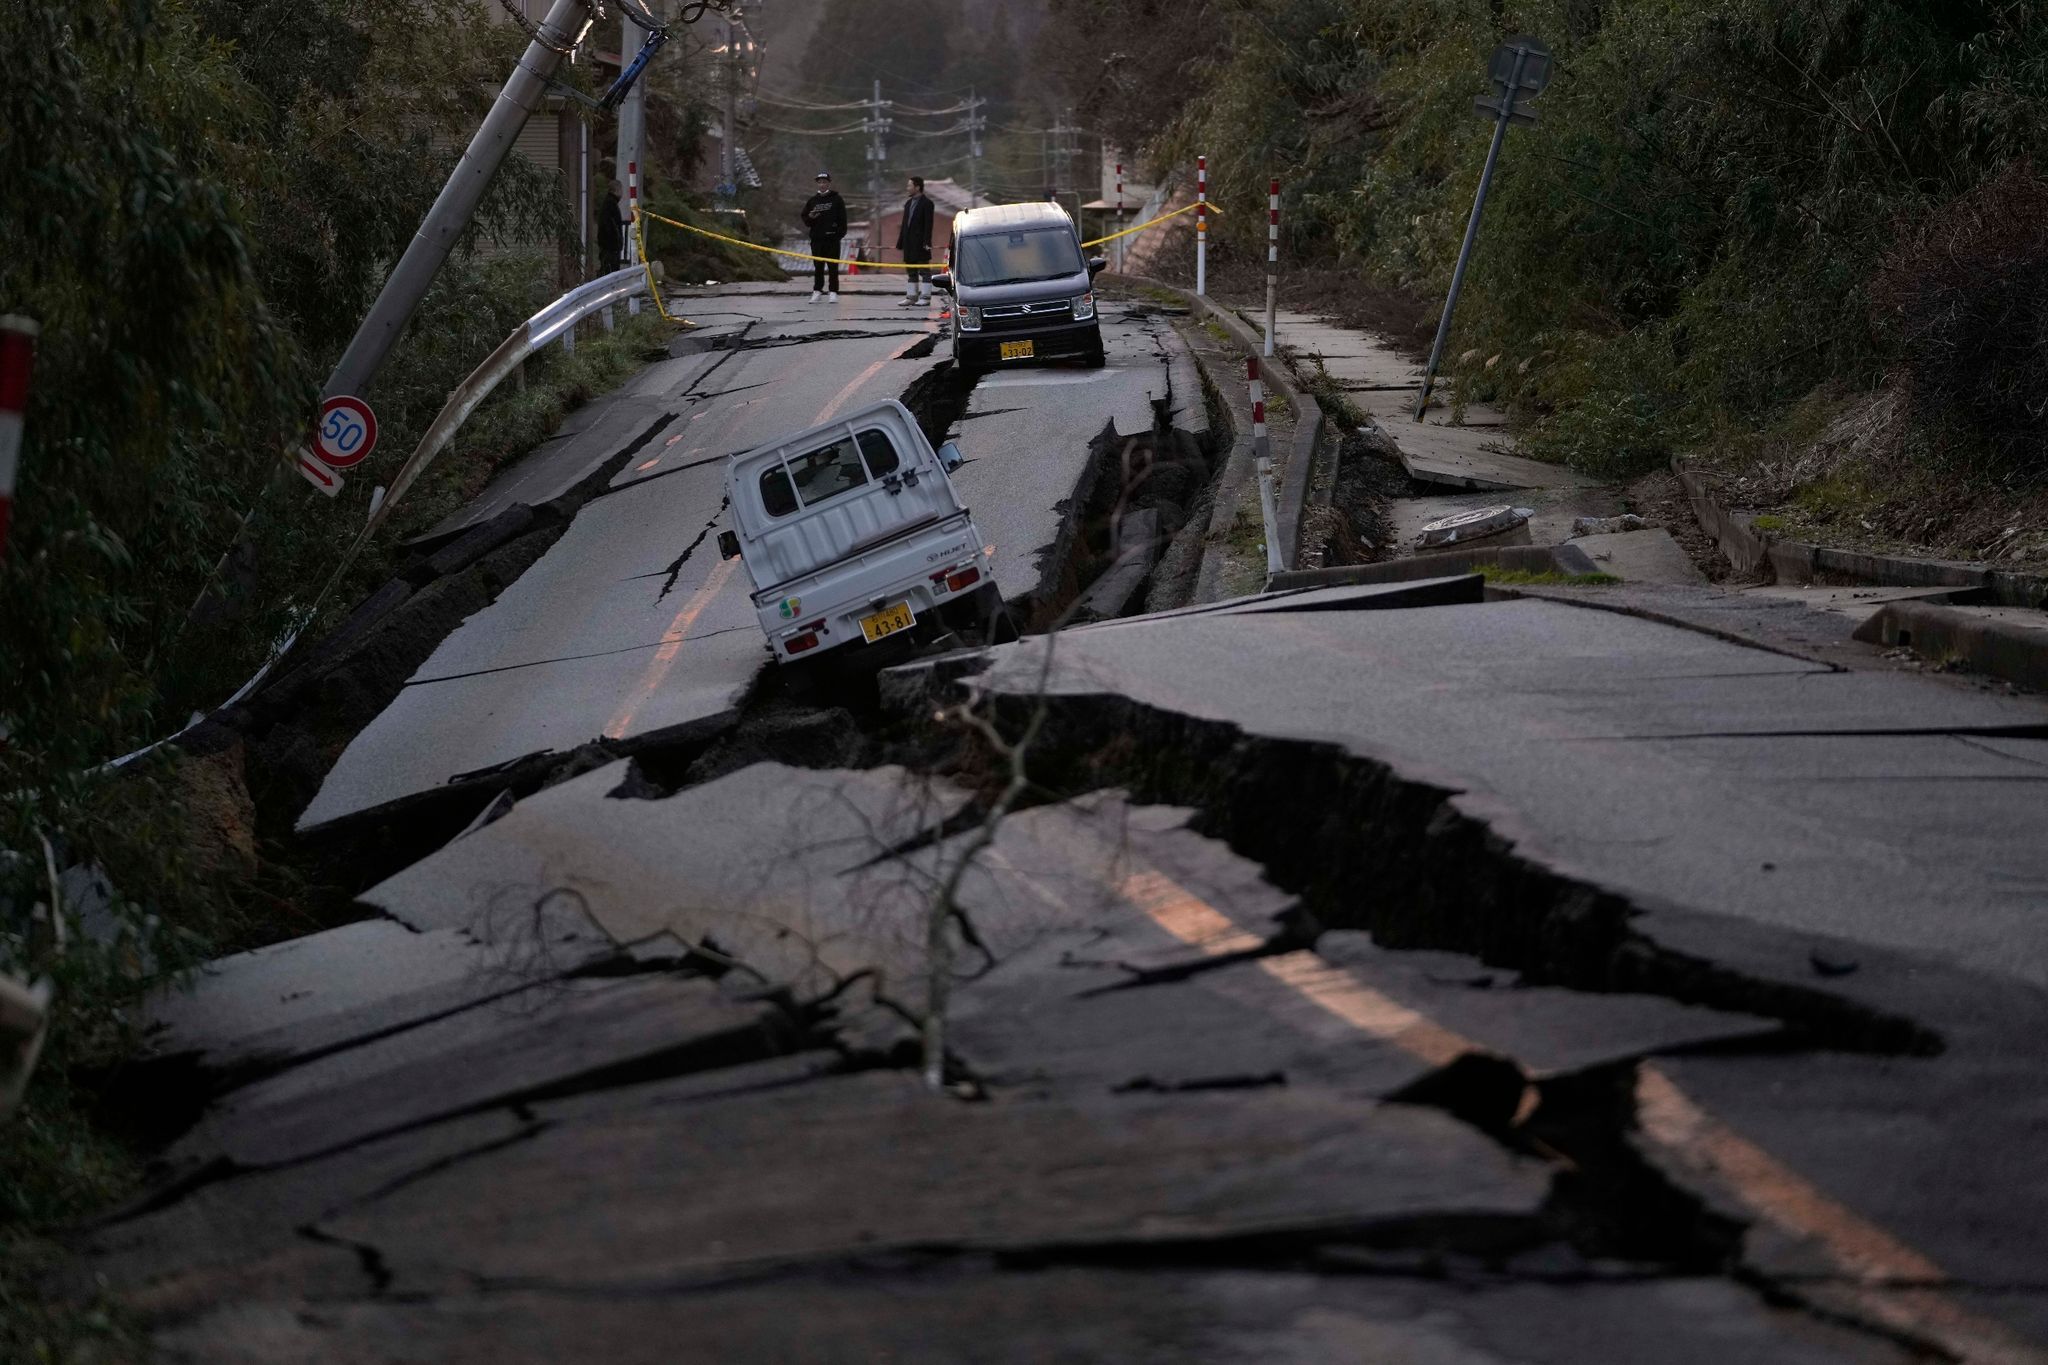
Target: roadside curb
column 2000, row 649
column 1798, row 561
column 1536, row 559
column 1308, row 413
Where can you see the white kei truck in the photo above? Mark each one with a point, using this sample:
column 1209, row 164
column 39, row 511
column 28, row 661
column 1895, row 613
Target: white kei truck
column 853, row 534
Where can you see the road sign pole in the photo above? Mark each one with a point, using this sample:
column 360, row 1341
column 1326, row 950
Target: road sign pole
column 1262, row 452
column 1443, row 326
column 1201, row 225
column 17, row 357
column 1272, row 259
column 1120, row 240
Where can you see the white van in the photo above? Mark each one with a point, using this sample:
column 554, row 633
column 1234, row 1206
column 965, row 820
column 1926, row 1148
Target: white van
column 852, row 534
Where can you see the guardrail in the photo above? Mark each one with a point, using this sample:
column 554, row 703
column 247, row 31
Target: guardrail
column 552, row 323
column 556, row 321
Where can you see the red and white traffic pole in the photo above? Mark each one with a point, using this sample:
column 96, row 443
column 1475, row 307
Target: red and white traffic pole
column 1272, row 257
column 1262, row 451
column 1120, row 217
column 17, row 355
column 1201, row 225
column 632, row 230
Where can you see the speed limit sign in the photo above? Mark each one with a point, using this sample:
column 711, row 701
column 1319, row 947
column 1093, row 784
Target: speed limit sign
column 346, row 432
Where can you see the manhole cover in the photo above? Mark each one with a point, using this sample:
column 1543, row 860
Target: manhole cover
column 1473, row 525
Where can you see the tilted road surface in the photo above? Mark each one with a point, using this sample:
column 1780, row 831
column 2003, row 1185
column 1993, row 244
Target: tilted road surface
column 1367, row 973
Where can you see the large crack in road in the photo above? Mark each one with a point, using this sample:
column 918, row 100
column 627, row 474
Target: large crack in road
column 1230, row 1004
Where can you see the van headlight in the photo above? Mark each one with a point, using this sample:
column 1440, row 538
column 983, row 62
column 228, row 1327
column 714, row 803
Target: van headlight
column 970, row 318
column 1084, row 307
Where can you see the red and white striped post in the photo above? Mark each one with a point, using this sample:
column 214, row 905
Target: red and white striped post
column 1272, row 257
column 632, row 235
column 17, row 354
column 1201, row 225
column 1120, row 241
column 1262, row 451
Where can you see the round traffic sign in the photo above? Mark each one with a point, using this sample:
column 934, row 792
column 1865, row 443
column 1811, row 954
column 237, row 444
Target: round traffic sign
column 346, row 432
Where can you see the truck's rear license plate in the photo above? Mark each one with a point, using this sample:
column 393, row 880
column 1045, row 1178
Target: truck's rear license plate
column 887, row 621
column 1016, row 350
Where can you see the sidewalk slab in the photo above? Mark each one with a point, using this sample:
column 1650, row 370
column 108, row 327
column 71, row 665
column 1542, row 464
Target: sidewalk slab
column 1646, row 556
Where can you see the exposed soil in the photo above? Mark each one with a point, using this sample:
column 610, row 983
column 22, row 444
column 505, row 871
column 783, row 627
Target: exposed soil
column 1659, row 500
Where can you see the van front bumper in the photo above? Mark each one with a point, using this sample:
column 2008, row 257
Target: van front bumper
column 1049, row 341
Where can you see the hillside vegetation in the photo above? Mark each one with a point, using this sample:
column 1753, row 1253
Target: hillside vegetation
column 1737, row 221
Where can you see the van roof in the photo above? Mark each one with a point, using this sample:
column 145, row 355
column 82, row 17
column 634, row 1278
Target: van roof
column 1035, row 213
column 887, row 413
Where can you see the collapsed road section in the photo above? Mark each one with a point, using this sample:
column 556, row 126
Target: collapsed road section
column 1328, row 1026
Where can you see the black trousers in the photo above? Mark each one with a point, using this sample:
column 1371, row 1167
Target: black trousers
column 916, row 258
column 824, row 270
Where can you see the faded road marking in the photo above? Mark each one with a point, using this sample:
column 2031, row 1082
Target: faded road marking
column 671, row 645
column 1898, row 1285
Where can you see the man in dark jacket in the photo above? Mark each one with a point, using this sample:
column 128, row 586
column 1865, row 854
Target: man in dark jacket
column 914, row 240
column 825, row 217
column 611, row 237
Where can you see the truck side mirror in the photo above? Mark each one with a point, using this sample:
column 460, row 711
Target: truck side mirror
column 728, row 545
column 942, row 280
column 1096, row 265
column 950, row 457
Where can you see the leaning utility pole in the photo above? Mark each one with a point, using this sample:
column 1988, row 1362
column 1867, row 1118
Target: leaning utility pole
column 632, row 127
column 557, row 35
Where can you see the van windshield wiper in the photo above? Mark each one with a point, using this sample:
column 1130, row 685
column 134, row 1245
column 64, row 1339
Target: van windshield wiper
column 1021, row 279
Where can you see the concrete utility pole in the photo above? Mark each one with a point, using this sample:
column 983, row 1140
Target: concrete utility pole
column 728, row 164
column 407, row 284
column 632, row 131
column 975, row 124
column 876, row 127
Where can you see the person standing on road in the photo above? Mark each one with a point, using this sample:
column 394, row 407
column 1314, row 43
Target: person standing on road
column 825, row 217
column 914, row 240
column 611, row 236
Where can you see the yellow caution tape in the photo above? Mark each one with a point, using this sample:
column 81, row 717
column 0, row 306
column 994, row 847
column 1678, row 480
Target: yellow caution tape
column 653, row 285
column 875, row 265
column 1152, row 222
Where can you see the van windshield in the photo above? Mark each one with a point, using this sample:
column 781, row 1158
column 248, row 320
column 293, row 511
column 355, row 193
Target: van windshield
column 1017, row 257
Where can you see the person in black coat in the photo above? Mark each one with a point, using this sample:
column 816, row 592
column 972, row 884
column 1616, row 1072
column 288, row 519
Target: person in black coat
column 914, row 240
column 611, row 236
column 825, row 217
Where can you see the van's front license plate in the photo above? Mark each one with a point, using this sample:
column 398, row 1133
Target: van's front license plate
column 887, row 621
column 1016, row 350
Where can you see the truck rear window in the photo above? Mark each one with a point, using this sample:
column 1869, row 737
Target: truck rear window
column 819, row 475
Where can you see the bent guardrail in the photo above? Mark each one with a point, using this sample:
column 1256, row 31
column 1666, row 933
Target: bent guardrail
column 554, row 321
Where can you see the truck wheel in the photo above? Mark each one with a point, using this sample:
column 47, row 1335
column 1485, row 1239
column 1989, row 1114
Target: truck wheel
column 998, row 626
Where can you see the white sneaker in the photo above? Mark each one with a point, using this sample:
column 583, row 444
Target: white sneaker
column 908, row 301
column 832, row 297
column 815, row 296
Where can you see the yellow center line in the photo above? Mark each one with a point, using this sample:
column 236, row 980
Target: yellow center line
column 1900, row 1284
column 671, row 645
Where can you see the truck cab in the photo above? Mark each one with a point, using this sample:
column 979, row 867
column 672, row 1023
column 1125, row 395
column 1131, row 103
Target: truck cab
column 852, row 534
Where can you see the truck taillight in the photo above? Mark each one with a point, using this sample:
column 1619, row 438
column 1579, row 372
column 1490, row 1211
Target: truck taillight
column 966, row 577
column 797, row 644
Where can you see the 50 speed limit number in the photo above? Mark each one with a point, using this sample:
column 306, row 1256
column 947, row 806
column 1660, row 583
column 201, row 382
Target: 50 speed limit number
column 346, row 432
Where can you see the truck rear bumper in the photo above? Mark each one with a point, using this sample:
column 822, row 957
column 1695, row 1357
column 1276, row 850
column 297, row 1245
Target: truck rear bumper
column 824, row 611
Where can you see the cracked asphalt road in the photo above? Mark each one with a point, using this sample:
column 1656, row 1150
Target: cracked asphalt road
column 584, row 647
column 1370, row 974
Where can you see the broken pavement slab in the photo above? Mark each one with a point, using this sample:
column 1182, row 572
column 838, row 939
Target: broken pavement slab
column 1646, row 556
column 1003, row 1316
column 546, row 1039
column 844, row 1168
column 753, row 861
column 265, row 1007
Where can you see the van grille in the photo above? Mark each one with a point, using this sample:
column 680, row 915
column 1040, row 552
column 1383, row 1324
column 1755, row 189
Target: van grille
column 1007, row 316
